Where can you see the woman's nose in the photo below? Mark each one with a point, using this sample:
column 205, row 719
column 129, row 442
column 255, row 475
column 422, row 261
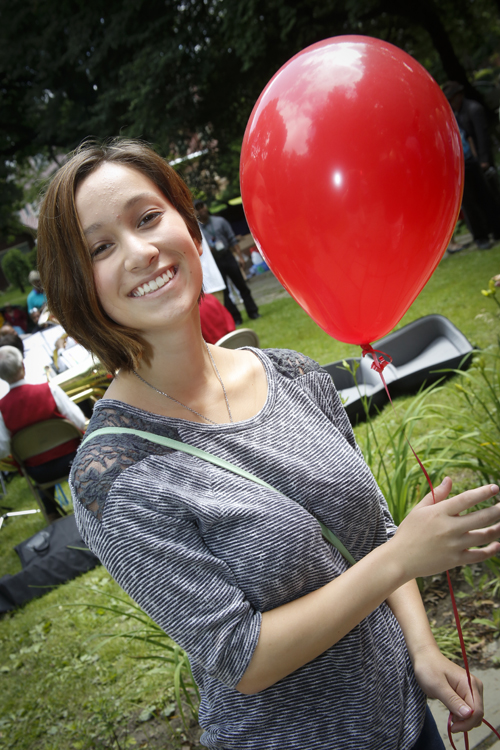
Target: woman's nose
column 139, row 254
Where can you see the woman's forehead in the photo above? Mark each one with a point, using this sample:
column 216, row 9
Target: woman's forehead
column 113, row 186
column 115, row 176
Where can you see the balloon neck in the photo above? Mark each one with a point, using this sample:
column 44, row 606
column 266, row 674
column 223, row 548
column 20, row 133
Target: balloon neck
column 379, row 362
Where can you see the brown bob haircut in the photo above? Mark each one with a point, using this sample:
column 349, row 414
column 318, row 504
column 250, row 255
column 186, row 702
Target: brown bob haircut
column 64, row 260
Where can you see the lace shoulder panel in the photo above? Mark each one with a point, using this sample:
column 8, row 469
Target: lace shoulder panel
column 99, row 462
column 292, row 364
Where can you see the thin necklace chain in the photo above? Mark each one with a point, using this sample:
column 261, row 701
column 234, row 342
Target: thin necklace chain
column 184, row 406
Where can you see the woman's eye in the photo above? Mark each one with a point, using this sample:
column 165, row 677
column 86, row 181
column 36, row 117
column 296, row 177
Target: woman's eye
column 149, row 217
column 99, row 250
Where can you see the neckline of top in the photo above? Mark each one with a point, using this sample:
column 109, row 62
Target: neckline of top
column 183, row 423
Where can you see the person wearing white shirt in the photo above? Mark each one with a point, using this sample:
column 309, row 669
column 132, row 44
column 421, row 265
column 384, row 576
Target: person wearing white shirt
column 26, row 404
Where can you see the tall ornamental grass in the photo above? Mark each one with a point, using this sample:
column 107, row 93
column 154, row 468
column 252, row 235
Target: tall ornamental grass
column 387, row 448
column 474, row 418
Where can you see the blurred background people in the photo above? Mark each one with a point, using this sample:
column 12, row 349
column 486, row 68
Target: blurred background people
column 26, row 404
column 213, row 283
column 36, row 298
column 8, row 337
column 216, row 321
column 480, row 204
column 16, row 317
column 222, row 242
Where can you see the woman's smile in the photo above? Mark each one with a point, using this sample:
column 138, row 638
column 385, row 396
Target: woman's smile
column 141, row 249
column 158, row 281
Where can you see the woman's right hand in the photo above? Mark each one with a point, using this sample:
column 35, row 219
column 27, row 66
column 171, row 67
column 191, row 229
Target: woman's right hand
column 435, row 537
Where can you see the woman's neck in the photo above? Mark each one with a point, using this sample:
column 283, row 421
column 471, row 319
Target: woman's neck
column 181, row 367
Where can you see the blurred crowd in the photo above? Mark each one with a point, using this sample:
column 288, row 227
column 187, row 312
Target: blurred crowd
column 481, row 197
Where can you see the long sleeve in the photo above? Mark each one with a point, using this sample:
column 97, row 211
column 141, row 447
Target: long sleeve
column 225, row 229
column 153, row 547
column 67, row 408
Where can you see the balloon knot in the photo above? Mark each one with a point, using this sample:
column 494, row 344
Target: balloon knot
column 378, row 363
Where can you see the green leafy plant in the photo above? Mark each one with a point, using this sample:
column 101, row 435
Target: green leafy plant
column 448, row 640
column 492, row 290
column 494, row 584
column 475, row 422
column 16, row 268
column 387, row 449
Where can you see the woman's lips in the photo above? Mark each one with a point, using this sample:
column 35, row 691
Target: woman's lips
column 154, row 284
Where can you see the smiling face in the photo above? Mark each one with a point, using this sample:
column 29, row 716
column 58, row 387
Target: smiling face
column 147, row 269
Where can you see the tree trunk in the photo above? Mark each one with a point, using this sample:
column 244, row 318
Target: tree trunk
column 425, row 14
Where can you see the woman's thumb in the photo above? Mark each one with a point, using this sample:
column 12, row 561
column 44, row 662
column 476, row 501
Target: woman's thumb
column 441, row 492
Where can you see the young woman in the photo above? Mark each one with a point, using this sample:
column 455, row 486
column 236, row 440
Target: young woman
column 291, row 646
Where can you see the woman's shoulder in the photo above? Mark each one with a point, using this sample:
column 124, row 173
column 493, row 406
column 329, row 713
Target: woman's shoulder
column 291, row 364
column 103, row 457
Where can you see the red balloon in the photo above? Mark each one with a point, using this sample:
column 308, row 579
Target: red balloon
column 351, row 179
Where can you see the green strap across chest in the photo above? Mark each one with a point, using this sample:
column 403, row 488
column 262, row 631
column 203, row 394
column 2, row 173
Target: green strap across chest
column 186, row 448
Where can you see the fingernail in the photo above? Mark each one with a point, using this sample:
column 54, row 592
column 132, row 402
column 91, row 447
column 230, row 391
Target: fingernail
column 494, row 488
column 465, row 711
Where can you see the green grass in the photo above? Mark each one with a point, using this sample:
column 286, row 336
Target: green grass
column 454, row 290
column 15, row 529
column 63, row 687
column 14, row 296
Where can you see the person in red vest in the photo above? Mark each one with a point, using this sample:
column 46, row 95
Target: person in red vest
column 26, row 404
column 215, row 320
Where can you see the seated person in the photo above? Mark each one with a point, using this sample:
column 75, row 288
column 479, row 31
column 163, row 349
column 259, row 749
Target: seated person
column 259, row 265
column 16, row 317
column 37, row 323
column 36, row 298
column 216, row 321
column 8, row 337
column 27, row 404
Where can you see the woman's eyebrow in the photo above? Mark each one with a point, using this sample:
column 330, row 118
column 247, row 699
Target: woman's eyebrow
column 92, row 228
column 136, row 198
column 126, row 206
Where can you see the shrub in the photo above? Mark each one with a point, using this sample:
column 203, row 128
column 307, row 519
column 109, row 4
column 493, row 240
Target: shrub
column 16, row 268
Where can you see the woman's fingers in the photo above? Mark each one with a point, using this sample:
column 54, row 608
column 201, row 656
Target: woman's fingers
column 464, row 501
column 481, row 537
column 440, row 492
column 471, row 556
column 481, row 519
column 436, row 537
column 461, row 722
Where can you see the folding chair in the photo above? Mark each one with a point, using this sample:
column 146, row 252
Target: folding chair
column 36, row 439
column 240, row 337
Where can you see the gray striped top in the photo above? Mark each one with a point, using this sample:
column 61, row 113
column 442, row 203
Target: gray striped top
column 205, row 552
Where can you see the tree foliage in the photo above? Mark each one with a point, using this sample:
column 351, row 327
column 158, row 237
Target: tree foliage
column 16, row 268
column 184, row 74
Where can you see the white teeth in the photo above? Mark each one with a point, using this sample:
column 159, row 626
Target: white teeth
column 154, row 284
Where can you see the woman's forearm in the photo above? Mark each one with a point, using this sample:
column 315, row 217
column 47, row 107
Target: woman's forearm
column 434, row 537
column 408, row 608
column 296, row 633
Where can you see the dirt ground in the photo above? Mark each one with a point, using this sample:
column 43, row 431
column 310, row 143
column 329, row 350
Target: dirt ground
column 483, row 649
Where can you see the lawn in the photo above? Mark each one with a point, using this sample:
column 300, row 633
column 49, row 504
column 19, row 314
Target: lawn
column 64, row 682
column 454, row 290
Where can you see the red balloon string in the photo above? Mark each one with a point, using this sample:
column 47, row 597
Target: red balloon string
column 378, row 365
